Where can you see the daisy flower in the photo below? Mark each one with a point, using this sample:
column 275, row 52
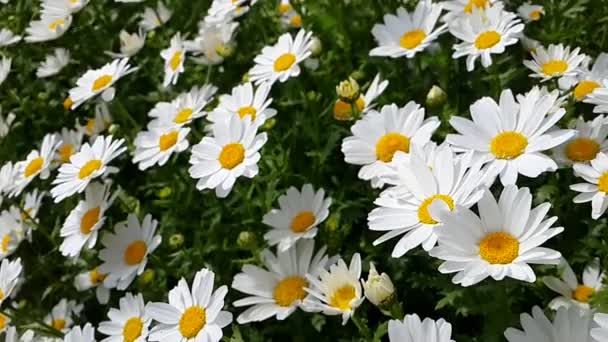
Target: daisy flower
column 278, row 288
column 337, row 291
column 77, row 334
column 60, row 316
column 529, row 12
column 125, row 252
column 555, row 61
column 458, row 9
column 9, row 236
column 412, row 329
column 174, row 57
column 63, row 6
column 484, row 33
column 70, row 143
column 573, row 293
column 212, row 40
column 128, row 323
column 225, row 10
column 81, row 227
column 192, row 314
column 281, row 61
column 5, row 68
column 99, row 123
column 7, row 37
column 600, row 331
column 599, row 97
column 130, row 43
column 244, row 101
column 365, row 102
column 100, row 81
column 406, row 34
column 157, row 144
column 37, row 163
column 6, row 122
column 570, row 324
column 183, row 109
column 590, row 139
column 48, row 27
column 93, row 279
column 590, row 79
column 511, row 135
column 297, row 218
column 594, row 190
column 231, row 152
column 53, row 63
column 501, row 242
column 407, row 209
column 10, row 272
column 89, row 163
column 379, row 135
column 153, row 18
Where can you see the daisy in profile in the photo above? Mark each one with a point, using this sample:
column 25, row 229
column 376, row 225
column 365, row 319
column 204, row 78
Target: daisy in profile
column 278, row 288
column 484, row 33
column 412, row 329
column 212, row 41
column 154, row 18
column 511, row 135
column 10, row 272
column 230, row 152
column 157, row 144
column 344, row 111
column 590, row 139
column 77, row 334
column 63, row 6
column 130, row 43
column 81, row 227
column 530, row 13
column 89, row 163
column 9, row 234
column 281, row 61
column 337, row 291
column 174, row 57
column 569, row 324
column 99, row 123
column 244, row 101
column 599, row 97
column 48, row 27
column 458, row 9
column 61, row 316
column 407, row 209
column 128, row 323
column 100, row 81
column 592, row 78
column 53, row 63
column 406, row 34
column 70, row 144
column 297, row 218
column 501, row 242
column 600, row 331
column 379, row 135
column 556, row 61
column 595, row 188
column 7, row 37
column 37, row 163
column 192, row 314
column 93, row 279
column 125, row 252
column 6, row 122
column 571, row 292
column 183, row 109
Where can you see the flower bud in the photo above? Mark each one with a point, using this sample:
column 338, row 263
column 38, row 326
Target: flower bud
column 164, row 192
column 378, row 287
column 225, row 50
column 348, row 90
column 269, row 124
column 246, row 240
column 316, row 47
column 114, row 128
column 245, row 77
column 176, row 241
column 436, row 97
column 146, row 278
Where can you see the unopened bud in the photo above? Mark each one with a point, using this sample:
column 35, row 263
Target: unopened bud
column 316, row 46
column 176, row 241
column 269, row 124
column 225, row 50
column 246, row 240
column 348, row 90
column 114, row 128
column 245, row 77
column 436, row 97
column 146, row 278
column 164, row 192
column 379, row 288
column 333, row 222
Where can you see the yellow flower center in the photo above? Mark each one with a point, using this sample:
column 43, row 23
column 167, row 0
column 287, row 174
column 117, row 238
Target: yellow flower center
column 389, row 144
column 232, row 155
column 423, row 211
column 582, row 150
column 176, row 60
column 33, row 167
column 585, row 88
column 183, row 116
column 556, row 67
column 508, row 145
column 88, row 168
column 96, row 277
column 499, row 248
column 166, row 141
column 487, row 40
column 301, row 222
column 602, row 182
column 342, row 297
column 296, row 20
column 102, row 82
column 583, row 293
column 58, row 324
column 477, row 3
column 89, row 219
column 3, row 321
column 135, row 252
column 5, row 241
column 248, row 110
column 54, row 24
column 284, row 62
column 67, row 103
column 132, row 329
column 535, row 15
column 344, row 111
column 289, row 290
column 65, row 152
column 412, row 39
column 283, row 8
column 1, row 294
column 192, row 321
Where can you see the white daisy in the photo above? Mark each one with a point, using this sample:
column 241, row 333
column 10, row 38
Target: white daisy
column 89, row 163
column 590, row 139
column 337, row 291
column 99, row 123
column 412, row 329
column 281, row 61
column 298, row 216
column 529, row 12
column 84, row 334
column 153, row 18
column 93, row 279
column 600, row 330
column 244, row 101
column 225, row 10
column 212, row 40
column 406, row 34
column 458, row 9
column 12, row 336
column 125, row 252
column 5, row 68
column 37, row 162
column 10, row 272
column 511, row 135
column 501, row 242
column 573, row 293
column 379, row 135
column 157, row 144
column 9, row 236
column 48, row 27
column 53, row 63
column 592, row 78
column 278, row 289
column 61, row 316
column 599, row 97
column 192, row 314
column 8, row 174
column 184, row 108
column 556, row 61
column 570, row 324
column 130, row 43
column 484, row 33
column 81, row 227
column 63, row 6
column 7, row 37
column 596, row 187
column 174, row 57
column 231, row 152
column 70, row 143
column 344, row 111
column 128, row 323
column 6, row 122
